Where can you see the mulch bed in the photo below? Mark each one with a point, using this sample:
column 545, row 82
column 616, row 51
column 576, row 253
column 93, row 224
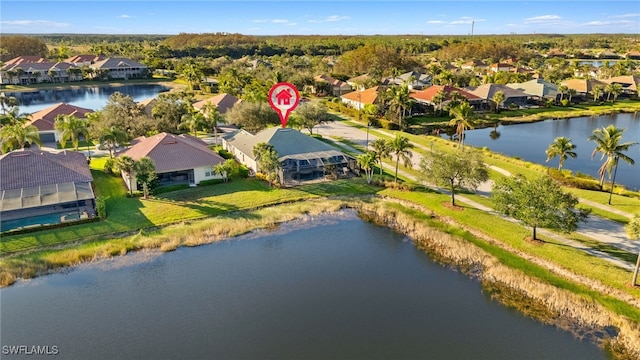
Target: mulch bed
column 530, row 240
column 448, row 205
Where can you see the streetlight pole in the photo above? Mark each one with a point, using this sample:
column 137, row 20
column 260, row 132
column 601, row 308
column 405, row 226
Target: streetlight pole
column 613, row 182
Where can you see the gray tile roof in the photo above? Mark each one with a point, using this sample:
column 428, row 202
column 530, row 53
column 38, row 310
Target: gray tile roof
column 32, row 168
column 289, row 143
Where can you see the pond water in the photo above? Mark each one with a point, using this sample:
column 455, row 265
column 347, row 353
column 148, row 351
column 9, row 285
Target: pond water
column 529, row 142
column 94, row 97
column 330, row 287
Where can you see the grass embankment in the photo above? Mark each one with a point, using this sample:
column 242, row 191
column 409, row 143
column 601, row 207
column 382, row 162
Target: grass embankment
column 555, row 298
column 89, row 83
column 125, row 214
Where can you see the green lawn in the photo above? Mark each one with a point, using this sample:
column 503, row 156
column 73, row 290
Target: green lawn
column 126, row 214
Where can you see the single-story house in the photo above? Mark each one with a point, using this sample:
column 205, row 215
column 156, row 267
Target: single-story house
column 336, row 87
column 358, row 99
column 177, row 158
column 44, row 188
column 629, row 83
column 537, row 88
column 476, row 65
column 511, row 96
column 302, row 158
column 583, row 87
column 224, row 102
column 45, row 120
column 413, row 79
column 497, row 67
column 426, row 96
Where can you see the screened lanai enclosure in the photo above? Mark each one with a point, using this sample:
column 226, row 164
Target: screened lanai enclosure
column 295, row 169
column 46, row 205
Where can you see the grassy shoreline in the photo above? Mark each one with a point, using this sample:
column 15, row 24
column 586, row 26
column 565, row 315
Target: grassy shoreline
column 89, row 83
column 560, row 300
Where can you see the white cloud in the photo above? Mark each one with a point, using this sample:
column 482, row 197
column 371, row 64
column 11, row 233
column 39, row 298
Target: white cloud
column 45, row 23
column 623, row 16
column 542, row 19
column 436, row 22
column 461, row 21
column 279, row 21
column 291, row 24
column 259, row 21
column 125, row 16
column 332, row 18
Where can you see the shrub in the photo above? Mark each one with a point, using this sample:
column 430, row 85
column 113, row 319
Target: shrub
column 565, row 102
column 388, row 125
column 225, row 154
column 101, row 207
column 109, row 166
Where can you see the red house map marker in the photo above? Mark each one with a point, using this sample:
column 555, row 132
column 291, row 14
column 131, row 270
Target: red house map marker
column 283, row 98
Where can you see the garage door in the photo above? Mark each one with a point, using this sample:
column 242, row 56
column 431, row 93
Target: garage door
column 48, row 138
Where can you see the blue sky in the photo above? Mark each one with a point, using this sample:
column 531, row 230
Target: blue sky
column 320, row 17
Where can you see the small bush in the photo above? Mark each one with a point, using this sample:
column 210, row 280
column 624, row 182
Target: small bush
column 565, row 102
column 225, row 154
column 109, row 166
column 388, row 125
column 101, row 207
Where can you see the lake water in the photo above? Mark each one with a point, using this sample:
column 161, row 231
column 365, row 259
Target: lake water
column 331, row 287
column 529, row 142
column 93, row 98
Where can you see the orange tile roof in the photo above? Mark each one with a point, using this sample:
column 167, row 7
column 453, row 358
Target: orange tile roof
column 223, row 102
column 368, row 96
column 428, row 93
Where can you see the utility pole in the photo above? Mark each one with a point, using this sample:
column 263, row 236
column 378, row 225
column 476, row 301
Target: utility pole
column 472, row 24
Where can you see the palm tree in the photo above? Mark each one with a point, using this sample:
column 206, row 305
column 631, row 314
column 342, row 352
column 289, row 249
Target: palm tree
column 14, row 117
column 561, row 147
column 607, row 142
column 498, row 98
column 367, row 161
column 70, row 128
column 192, row 121
column 562, row 89
column 19, row 73
column 633, row 233
column 112, row 137
column 399, row 100
column 608, row 90
column 125, row 164
column 211, row 118
column 7, row 102
column 597, row 91
column 400, row 148
column 52, row 74
column 571, row 93
column 463, row 118
column 382, row 150
column 145, row 171
column 438, row 98
column 17, row 136
column 616, row 90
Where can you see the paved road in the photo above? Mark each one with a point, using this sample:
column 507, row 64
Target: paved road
column 597, row 228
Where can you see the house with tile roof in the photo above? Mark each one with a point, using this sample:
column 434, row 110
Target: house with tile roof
column 121, row 68
column 44, row 188
column 302, row 158
column 413, row 79
column 511, row 96
column 336, row 87
column 24, row 70
column 630, row 83
column 45, row 120
column 358, row 99
column 426, row 96
column 224, row 102
column 178, row 159
column 583, row 87
column 537, row 88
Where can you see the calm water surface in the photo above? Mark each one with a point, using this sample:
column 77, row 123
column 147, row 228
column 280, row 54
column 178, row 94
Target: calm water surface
column 333, row 287
column 93, row 98
column 529, row 142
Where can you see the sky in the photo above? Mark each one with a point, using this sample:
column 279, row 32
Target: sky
column 328, row 17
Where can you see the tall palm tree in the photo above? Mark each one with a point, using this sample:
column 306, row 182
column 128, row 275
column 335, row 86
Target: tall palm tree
column 463, row 118
column 608, row 90
column 70, row 128
column 498, row 98
column 438, row 98
column 563, row 148
column 382, row 150
column 597, row 91
column 7, row 102
column 125, row 164
column 192, row 121
column 14, row 117
column 400, row 148
column 616, row 90
column 211, row 118
column 571, row 93
column 399, row 101
column 112, row 137
column 17, row 136
column 562, row 89
column 607, row 141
